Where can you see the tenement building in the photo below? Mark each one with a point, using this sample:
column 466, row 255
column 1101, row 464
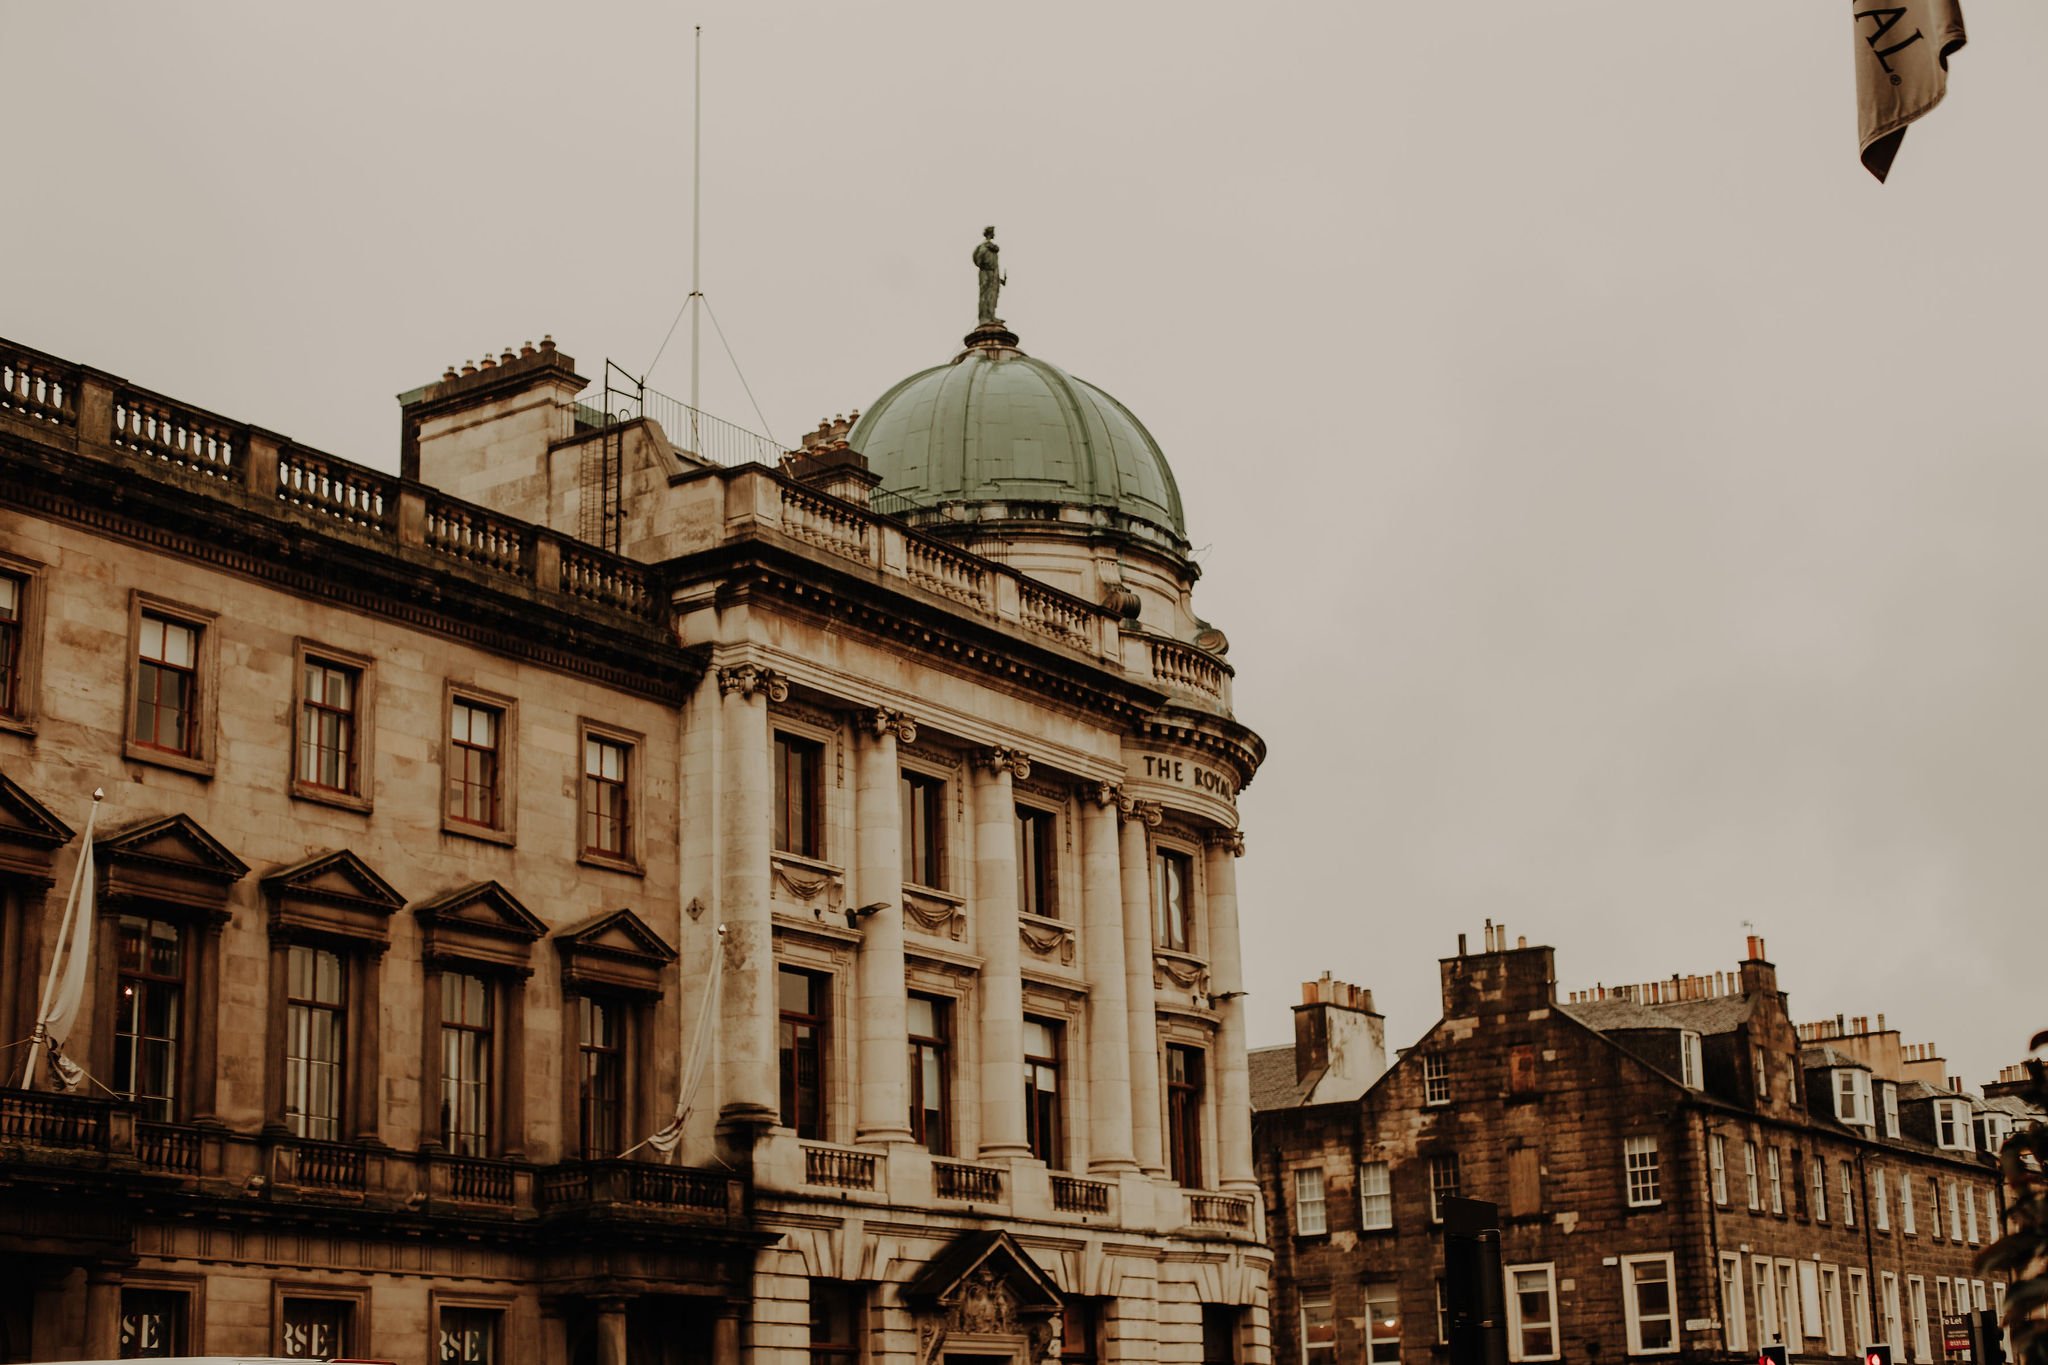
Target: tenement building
column 1679, row 1172
column 582, row 899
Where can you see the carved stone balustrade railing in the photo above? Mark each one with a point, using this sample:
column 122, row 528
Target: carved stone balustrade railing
column 348, row 493
column 959, row 1180
column 1191, row 671
column 474, row 536
column 1072, row 1194
column 167, row 1147
column 37, row 388
column 1219, row 1211
column 826, row 523
column 838, row 1167
column 180, row 437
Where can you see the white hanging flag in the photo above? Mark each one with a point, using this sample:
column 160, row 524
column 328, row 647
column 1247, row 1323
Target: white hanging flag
column 667, row 1139
column 1902, row 52
column 64, row 987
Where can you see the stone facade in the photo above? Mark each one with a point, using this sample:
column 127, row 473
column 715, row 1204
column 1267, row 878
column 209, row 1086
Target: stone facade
column 1615, row 1132
column 467, row 837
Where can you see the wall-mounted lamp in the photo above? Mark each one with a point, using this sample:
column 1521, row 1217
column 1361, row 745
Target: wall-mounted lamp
column 861, row 912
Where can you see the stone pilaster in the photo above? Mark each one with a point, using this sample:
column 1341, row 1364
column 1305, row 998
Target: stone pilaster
column 1136, row 865
column 1226, row 976
column 995, row 930
column 883, row 1077
column 748, row 1088
column 1109, row 1027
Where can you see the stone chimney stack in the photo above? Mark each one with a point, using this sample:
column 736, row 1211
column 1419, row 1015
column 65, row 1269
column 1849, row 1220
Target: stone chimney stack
column 827, row 463
column 1759, row 975
column 1501, row 978
column 483, row 434
column 1338, row 1033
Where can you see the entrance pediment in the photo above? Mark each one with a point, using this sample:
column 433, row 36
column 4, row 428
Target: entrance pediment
column 983, row 1294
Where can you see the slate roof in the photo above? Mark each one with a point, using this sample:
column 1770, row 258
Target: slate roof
column 1722, row 1015
column 1273, row 1082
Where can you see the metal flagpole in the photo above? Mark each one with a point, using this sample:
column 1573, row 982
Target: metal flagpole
column 696, row 228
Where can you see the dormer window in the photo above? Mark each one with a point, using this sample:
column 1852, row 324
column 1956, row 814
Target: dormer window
column 1852, row 1096
column 1952, row 1126
column 1691, row 1067
column 1889, row 1093
column 1992, row 1131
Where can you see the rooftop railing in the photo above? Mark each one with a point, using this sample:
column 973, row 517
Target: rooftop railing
column 322, row 488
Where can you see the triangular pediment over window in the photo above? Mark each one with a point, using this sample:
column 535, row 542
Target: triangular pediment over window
column 166, row 862
column 615, row 951
column 29, row 833
column 986, row 1281
column 481, row 923
column 332, row 894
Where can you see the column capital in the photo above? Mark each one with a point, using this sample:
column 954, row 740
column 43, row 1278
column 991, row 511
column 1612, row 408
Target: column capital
column 1230, row 840
column 1151, row 812
column 749, row 679
column 1001, row 758
column 1105, row 794
column 882, row 721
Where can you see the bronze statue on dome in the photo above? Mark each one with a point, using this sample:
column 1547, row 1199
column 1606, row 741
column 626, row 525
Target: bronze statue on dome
column 992, row 279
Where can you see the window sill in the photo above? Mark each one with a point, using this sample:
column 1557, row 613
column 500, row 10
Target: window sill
column 164, row 758
column 610, row 863
column 487, row 833
column 328, row 796
column 18, row 725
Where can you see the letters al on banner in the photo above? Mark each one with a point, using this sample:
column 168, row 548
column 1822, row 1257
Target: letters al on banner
column 1902, row 52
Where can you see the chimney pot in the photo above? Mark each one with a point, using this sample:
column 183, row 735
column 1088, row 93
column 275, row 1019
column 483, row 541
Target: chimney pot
column 448, row 374
column 527, row 350
column 1880, row 1022
column 509, row 355
column 1461, row 945
column 1521, row 940
column 487, row 363
column 469, row 367
column 547, row 343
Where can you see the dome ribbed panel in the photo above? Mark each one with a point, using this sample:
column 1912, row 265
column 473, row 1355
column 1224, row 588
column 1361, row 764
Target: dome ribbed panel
column 1000, row 426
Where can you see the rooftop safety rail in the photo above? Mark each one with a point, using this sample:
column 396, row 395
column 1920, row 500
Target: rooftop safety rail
column 694, row 432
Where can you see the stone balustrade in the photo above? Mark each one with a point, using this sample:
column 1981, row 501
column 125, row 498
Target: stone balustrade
column 120, row 424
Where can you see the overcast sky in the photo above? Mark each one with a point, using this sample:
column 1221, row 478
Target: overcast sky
column 1627, row 516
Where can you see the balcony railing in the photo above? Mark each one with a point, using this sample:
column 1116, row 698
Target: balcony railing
column 957, row 1180
column 637, row 1183
column 53, row 1120
column 1071, row 1194
column 839, row 1168
column 167, row 1147
column 326, row 1166
column 473, row 1180
column 1219, row 1211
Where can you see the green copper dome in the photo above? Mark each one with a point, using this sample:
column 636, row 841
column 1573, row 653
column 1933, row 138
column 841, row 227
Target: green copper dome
column 998, row 426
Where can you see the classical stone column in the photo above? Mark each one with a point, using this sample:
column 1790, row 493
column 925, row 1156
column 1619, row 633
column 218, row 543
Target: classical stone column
column 996, row 933
column 884, row 1090
column 725, row 1333
column 1226, row 977
column 1136, row 865
column 205, row 1020
column 746, row 1030
column 102, row 1313
column 369, row 1045
column 611, row 1332
column 1109, row 1027
column 511, row 1143
column 276, row 1027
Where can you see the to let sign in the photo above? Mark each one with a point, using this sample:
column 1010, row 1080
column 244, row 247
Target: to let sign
column 1955, row 1333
